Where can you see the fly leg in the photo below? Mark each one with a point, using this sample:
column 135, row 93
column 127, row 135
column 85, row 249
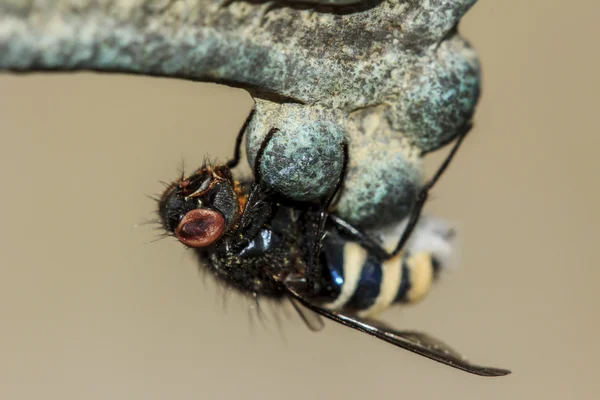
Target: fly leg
column 259, row 208
column 313, row 272
column 424, row 192
column 368, row 242
column 237, row 155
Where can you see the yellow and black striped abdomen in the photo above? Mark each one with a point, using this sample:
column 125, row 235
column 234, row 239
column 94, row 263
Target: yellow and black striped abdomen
column 363, row 285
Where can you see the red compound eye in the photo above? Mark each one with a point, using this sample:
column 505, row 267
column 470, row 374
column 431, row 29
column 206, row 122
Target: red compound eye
column 200, row 228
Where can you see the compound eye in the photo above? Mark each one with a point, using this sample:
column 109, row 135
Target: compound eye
column 200, row 227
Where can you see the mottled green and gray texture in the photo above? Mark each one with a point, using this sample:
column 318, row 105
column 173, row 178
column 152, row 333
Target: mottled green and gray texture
column 304, row 159
column 384, row 174
column 397, row 64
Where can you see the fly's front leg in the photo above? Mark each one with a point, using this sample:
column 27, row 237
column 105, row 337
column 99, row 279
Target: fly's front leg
column 424, row 192
column 258, row 209
column 313, row 272
column 237, row 155
column 372, row 245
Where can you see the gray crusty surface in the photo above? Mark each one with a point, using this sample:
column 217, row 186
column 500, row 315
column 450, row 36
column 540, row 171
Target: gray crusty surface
column 393, row 78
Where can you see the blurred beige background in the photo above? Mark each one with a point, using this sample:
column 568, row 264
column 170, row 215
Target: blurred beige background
column 88, row 311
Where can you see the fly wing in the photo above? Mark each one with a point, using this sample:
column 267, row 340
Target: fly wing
column 313, row 321
column 416, row 342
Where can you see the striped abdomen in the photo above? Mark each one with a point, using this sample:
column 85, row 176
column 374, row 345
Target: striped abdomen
column 360, row 284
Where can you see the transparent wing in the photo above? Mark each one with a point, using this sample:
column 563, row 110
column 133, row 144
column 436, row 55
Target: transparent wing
column 311, row 319
column 417, row 342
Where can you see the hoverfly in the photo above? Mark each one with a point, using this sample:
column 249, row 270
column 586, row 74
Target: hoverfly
column 263, row 245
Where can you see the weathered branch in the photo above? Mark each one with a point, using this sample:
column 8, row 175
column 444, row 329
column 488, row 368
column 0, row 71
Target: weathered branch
column 395, row 76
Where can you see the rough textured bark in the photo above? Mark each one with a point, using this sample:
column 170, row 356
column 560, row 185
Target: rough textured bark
column 394, row 77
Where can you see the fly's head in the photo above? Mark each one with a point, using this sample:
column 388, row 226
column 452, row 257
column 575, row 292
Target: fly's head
column 200, row 209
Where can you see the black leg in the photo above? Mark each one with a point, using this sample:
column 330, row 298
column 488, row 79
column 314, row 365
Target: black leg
column 340, row 182
column 259, row 156
column 424, row 193
column 359, row 236
column 258, row 193
column 238, row 143
column 313, row 270
column 373, row 246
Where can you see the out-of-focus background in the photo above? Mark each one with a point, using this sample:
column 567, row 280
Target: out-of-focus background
column 89, row 311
